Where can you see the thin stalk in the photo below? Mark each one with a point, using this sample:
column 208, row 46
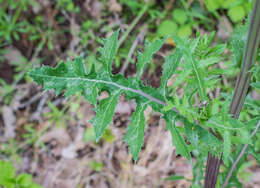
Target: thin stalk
column 249, row 58
column 239, row 156
column 241, row 88
column 133, row 24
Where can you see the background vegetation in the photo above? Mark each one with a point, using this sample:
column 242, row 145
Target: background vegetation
column 44, row 135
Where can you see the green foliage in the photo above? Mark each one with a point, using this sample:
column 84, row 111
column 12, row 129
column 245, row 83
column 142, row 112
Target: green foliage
column 73, row 78
column 12, row 26
column 9, row 180
column 184, row 31
column 105, row 113
column 170, row 65
column 256, row 85
column 181, row 146
column 195, row 59
column 7, row 173
column 237, row 10
column 108, row 52
column 96, row 166
column 238, row 42
column 192, row 66
column 135, row 131
column 180, row 25
column 167, row 27
column 174, row 178
column 227, row 146
column 68, row 5
column 179, row 16
column 212, row 5
column 237, row 13
column 147, row 55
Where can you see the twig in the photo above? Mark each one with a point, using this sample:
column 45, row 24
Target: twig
column 31, row 100
column 239, row 156
column 139, row 37
column 37, row 115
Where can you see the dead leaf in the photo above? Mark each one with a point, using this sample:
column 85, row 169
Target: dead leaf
column 93, row 8
column 114, row 6
column 58, row 134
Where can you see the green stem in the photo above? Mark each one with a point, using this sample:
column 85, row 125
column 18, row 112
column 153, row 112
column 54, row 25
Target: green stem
column 242, row 84
column 133, row 24
column 249, row 59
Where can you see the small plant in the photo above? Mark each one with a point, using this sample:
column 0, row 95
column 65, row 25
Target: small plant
column 237, row 10
column 8, row 179
column 208, row 131
column 67, row 5
column 11, row 26
column 180, row 24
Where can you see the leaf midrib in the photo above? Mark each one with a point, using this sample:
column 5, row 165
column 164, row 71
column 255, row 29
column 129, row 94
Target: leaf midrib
column 106, row 82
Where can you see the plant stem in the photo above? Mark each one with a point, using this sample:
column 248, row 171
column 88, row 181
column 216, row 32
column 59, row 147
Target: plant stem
column 139, row 38
column 249, row 58
column 131, row 27
column 239, row 157
column 241, row 88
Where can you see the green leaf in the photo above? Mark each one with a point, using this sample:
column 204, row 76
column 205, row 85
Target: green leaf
column 245, row 136
column 256, row 85
column 70, row 77
column 203, row 63
column 104, row 113
column 167, row 27
column 174, row 178
column 109, row 50
column 238, row 42
column 201, row 138
column 227, row 3
column 217, row 50
column 96, row 166
column 235, row 123
column 7, row 173
column 24, row 179
column 184, row 31
column 135, row 131
column 212, row 5
column 169, row 106
column 180, row 16
column 254, row 154
column 177, row 140
column 236, row 13
column 241, row 129
column 200, row 81
column 34, row 185
column 226, row 146
column 169, row 67
column 143, row 58
column 108, row 136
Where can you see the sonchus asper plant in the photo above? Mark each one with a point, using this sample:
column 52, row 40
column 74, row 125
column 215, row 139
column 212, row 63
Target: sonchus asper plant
column 206, row 128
